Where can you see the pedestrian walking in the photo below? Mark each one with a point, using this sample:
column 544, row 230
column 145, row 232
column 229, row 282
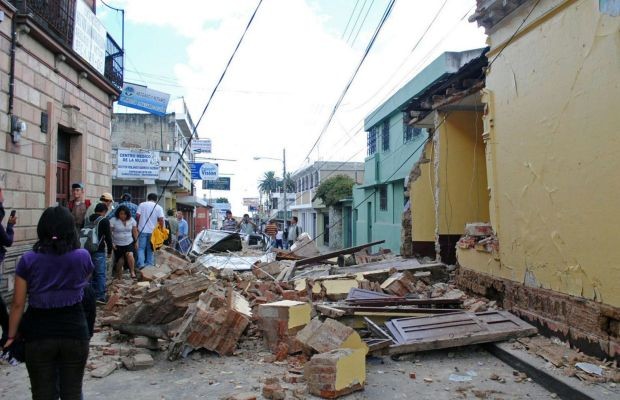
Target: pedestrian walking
column 229, row 223
column 99, row 222
column 271, row 230
column 52, row 277
column 6, row 240
column 183, row 232
column 293, row 232
column 126, row 201
column 173, row 227
column 124, row 240
column 149, row 215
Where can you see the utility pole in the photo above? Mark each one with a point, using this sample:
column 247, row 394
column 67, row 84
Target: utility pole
column 284, row 186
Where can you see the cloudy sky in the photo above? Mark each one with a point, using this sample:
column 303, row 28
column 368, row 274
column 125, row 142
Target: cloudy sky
column 292, row 67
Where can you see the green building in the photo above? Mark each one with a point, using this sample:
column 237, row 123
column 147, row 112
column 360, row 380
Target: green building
column 393, row 147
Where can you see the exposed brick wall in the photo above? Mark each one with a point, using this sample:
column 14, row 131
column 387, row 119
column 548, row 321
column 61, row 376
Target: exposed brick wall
column 592, row 327
column 28, row 169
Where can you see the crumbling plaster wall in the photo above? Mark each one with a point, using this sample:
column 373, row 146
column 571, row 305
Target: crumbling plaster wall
column 553, row 141
column 463, row 193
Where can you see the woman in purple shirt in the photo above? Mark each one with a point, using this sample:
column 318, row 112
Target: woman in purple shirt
column 53, row 277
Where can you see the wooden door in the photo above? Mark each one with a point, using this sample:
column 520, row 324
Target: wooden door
column 62, row 183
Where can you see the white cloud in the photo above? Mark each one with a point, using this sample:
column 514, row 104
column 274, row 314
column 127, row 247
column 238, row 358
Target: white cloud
column 289, row 72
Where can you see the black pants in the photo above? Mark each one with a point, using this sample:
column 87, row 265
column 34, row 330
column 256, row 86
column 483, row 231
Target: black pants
column 56, row 361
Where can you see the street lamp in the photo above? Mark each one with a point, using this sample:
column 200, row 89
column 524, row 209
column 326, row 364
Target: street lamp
column 283, row 180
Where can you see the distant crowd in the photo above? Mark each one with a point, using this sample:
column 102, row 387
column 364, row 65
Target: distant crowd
column 278, row 236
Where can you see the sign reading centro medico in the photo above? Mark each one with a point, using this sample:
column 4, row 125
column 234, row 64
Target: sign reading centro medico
column 143, row 98
column 136, row 164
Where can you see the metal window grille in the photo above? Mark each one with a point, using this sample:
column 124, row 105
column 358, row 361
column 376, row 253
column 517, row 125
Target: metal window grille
column 383, row 198
column 410, row 132
column 385, row 136
column 372, row 141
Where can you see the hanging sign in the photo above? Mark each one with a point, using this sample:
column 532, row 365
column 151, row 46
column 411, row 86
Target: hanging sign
column 222, row 183
column 201, row 146
column 137, row 164
column 143, row 98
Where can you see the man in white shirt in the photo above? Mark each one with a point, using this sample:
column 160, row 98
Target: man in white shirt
column 149, row 214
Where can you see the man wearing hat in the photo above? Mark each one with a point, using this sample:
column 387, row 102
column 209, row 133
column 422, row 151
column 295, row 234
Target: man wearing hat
column 105, row 198
column 78, row 205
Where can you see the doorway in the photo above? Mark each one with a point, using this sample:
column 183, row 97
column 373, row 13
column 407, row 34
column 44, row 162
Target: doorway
column 63, row 166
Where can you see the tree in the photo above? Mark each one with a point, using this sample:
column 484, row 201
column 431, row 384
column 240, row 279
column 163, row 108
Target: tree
column 221, row 200
column 269, row 183
column 334, row 189
column 290, row 183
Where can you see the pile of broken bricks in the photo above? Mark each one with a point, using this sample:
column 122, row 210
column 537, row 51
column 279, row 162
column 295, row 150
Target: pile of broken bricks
column 323, row 323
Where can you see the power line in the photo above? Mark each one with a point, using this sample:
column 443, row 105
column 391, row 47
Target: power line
column 349, row 21
column 356, row 19
column 362, row 24
column 346, row 89
column 204, row 111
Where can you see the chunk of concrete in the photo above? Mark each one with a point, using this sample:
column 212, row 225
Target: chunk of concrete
column 329, row 335
column 336, row 373
column 138, row 362
column 103, row 370
column 281, row 320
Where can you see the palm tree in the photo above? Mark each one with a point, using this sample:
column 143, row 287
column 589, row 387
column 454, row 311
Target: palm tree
column 269, row 183
column 290, row 184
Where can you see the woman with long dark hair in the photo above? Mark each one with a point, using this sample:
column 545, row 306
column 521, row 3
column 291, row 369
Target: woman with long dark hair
column 125, row 240
column 53, row 277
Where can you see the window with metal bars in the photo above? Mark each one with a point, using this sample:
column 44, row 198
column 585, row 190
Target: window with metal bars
column 410, row 132
column 383, row 198
column 385, row 136
column 372, row 140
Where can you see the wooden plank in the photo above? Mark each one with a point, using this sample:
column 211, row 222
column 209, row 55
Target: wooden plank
column 330, row 311
column 333, row 254
column 376, row 329
column 396, row 309
column 364, row 294
column 375, row 345
column 445, row 331
column 401, row 301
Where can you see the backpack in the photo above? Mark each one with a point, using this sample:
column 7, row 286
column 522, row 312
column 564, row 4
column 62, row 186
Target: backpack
column 89, row 235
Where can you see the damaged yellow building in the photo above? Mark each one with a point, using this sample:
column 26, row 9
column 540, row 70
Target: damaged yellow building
column 551, row 138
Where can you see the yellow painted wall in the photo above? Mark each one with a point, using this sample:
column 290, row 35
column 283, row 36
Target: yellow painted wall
column 555, row 145
column 463, row 191
column 421, row 196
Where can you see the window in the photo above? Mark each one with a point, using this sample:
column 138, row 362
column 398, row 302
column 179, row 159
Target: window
column 274, row 203
column 372, row 141
column 299, row 187
column 385, row 136
column 316, row 178
column 383, row 198
column 410, row 132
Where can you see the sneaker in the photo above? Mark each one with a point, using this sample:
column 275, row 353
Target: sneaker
column 101, row 301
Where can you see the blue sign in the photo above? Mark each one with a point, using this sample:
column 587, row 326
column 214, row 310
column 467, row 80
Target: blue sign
column 143, row 98
column 222, row 183
column 204, row 171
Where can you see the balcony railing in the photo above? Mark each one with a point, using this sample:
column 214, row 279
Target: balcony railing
column 57, row 17
column 114, row 63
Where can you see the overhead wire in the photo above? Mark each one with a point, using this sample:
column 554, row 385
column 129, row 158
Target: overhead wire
column 350, row 18
column 385, row 16
column 356, row 19
column 206, row 107
column 362, row 24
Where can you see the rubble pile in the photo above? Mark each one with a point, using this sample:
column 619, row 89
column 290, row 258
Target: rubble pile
column 321, row 320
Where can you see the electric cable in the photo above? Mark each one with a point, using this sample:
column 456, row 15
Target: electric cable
column 348, row 85
column 232, row 56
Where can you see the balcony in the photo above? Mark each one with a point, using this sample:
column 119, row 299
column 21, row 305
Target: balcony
column 57, row 19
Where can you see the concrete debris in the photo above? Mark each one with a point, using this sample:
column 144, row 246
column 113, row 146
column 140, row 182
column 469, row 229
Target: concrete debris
column 215, row 322
column 138, row 362
column 336, row 373
column 321, row 323
column 280, row 321
column 325, row 336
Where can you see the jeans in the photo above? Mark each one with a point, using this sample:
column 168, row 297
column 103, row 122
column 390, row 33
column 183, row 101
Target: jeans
column 145, row 251
column 99, row 274
column 53, row 361
column 4, row 322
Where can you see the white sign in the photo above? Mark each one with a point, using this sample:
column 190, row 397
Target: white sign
column 89, row 36
column 137, row 164
column 201, row 146
column 209, row 172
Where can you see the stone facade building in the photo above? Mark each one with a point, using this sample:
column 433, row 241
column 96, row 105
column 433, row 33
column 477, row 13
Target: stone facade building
column 56, row 107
